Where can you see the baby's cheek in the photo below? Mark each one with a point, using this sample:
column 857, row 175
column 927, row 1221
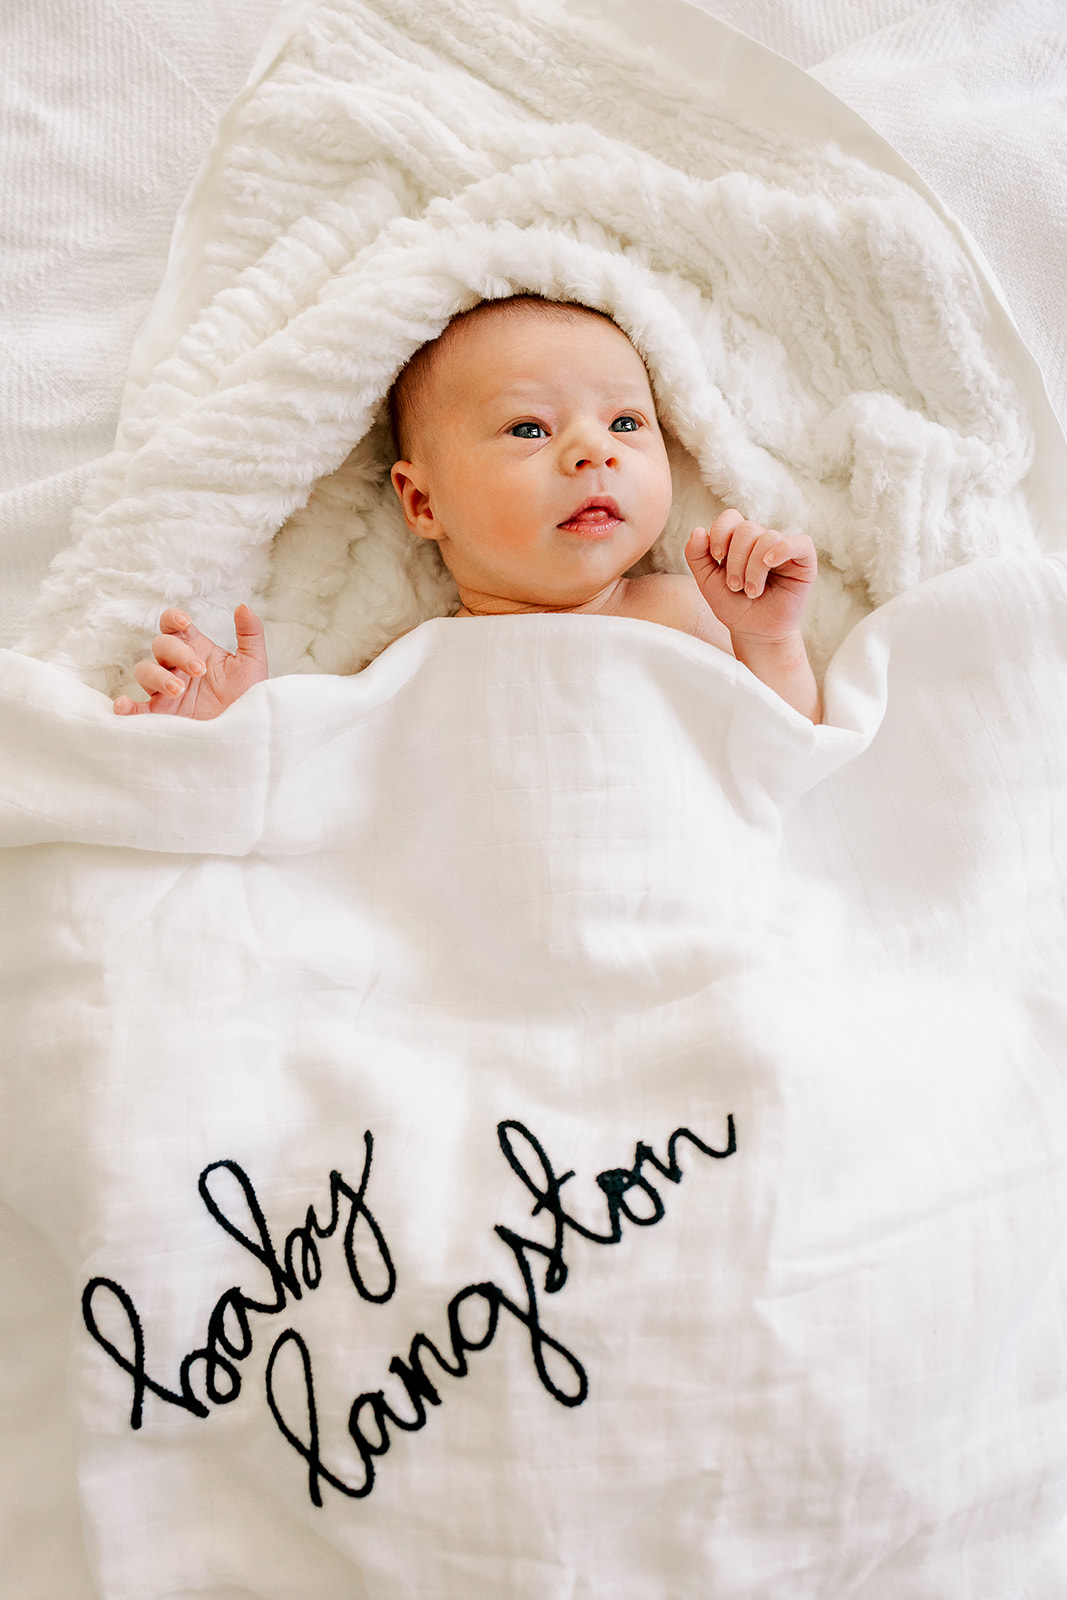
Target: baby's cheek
column 663, row 495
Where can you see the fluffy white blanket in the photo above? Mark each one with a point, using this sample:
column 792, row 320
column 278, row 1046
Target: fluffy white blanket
column 817, row 338
column 690, row 1077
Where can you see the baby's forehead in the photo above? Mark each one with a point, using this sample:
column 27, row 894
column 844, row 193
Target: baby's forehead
column 511, row 347
column 478, row 351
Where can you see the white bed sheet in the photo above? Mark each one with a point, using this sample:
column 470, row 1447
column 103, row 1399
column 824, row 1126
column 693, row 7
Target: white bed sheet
column 107, row 109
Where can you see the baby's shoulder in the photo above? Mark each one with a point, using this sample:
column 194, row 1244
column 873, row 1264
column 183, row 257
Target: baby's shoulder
column 674, row 600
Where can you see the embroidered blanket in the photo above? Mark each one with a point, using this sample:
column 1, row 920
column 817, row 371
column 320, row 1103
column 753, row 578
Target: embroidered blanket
column 538, row 1118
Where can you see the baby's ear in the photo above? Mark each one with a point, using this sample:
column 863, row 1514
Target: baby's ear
column 411, row 487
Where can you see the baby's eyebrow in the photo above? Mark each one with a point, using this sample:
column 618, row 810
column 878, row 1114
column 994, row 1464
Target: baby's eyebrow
column 513, row 392
column 520, row 390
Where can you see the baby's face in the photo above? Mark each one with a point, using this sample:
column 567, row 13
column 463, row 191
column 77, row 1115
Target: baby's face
column 541, row 470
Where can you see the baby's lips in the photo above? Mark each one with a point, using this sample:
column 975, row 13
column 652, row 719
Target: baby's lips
column 593, row 511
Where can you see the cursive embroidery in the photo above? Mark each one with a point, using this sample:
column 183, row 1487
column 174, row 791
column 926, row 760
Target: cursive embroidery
column 473, row 1314
column 298, row 1269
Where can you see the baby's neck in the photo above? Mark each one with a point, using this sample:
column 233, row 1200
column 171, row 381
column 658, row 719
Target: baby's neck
column 609, row 601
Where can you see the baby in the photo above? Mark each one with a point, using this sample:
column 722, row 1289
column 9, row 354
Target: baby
column 531, row 452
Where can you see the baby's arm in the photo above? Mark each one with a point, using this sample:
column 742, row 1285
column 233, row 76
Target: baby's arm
column 193, row 677
column 757, row 583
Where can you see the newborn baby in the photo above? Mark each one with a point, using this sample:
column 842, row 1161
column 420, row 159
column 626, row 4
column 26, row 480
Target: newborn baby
column 532, row 454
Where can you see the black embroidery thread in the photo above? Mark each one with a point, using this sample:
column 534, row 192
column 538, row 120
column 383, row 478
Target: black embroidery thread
column 221, row 1353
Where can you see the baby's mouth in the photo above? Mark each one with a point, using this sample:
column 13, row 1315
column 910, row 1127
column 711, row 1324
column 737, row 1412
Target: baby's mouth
column 594, row 516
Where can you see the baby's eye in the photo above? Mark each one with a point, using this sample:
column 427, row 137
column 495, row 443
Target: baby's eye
column 625, row 424
column 528, row 430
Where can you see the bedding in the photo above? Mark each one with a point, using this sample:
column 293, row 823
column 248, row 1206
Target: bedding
column 538, row 1117
column 534, row 1116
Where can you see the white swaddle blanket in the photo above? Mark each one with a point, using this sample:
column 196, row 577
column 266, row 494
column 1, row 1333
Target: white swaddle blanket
column 537, row 1117
column 451, row 952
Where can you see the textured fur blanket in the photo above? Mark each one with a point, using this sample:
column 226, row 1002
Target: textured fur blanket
column 816, row 335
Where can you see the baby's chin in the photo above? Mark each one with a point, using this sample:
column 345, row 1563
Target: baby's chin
column 592, row 575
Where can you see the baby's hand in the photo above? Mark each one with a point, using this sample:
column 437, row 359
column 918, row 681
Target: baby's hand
column 756, row 581
column 193, row 677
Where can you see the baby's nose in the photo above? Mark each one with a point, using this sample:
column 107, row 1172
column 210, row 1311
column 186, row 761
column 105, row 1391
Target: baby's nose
column 591, row 445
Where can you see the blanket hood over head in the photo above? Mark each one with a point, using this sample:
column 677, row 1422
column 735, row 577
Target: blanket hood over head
column 818, row 340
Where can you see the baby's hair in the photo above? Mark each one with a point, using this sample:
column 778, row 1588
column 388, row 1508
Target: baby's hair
column 408, row 396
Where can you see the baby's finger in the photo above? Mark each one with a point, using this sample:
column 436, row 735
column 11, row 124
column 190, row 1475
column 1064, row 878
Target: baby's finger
column 170, row 651
column 155, row 679
column 701, row 562
column 174, row 621
column 250, row 637
column 697, row 549
column 125, row 707
column 741, row 544
column 761, row 558
column 720, row 531
column 797, row 548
